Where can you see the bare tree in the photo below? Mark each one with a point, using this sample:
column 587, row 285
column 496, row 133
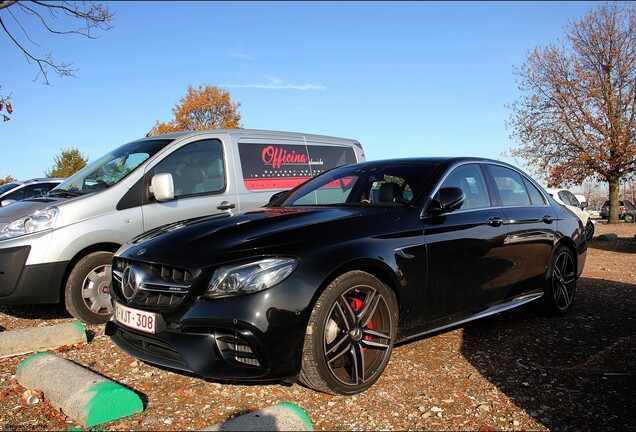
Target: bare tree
column 576, row 117
column 5, row 106
column 17, row 18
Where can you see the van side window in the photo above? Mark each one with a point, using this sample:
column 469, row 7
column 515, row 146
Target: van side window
column 510, row 186
column 470, row 179
column 196, row 168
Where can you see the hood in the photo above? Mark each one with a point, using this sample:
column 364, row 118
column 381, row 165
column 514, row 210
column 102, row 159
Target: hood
column 25, row 207
column 255, row 230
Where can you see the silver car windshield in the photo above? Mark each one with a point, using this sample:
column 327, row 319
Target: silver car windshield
column 110, row 168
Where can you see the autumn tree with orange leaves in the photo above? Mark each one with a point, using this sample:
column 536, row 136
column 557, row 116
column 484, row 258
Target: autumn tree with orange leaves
column 7, row 179
column 576, row 117
column 201, row 109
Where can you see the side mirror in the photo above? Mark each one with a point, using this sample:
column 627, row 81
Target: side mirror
column 583, row 205
column 162, row 187
column 447, row 200
column 277, row 198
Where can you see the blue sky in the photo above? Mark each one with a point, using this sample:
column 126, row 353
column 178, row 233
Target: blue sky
column 404, row 78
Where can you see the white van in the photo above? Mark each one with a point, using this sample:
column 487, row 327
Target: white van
column 59, row 247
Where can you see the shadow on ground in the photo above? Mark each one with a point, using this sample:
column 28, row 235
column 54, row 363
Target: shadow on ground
column 46, row 312
column 575, row 372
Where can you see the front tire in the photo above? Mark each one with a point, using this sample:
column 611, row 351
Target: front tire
column 560, row 284
column 628, row 218
column 350, row 335
column 86, row 294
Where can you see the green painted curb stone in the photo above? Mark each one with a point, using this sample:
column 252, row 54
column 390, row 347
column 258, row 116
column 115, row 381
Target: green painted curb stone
column 84, row 396
column 33, row 339
column 284, row 416
column 607, row 237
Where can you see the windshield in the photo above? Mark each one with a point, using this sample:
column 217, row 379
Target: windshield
column 110, row 168
column 8, row 186
column 363, row 184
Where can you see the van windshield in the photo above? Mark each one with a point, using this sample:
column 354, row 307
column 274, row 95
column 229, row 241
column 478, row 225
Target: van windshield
column 110, row 168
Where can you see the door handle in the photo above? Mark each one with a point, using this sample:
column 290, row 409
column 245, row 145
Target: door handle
column 547, row 219
column 495, row 221
column 226, row 205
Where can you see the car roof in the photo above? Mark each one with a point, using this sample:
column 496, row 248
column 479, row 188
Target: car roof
column 44, row 180
column 254, row 133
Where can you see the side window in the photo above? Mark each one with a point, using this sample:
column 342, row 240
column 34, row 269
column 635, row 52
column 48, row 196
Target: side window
column 470, row 179
column 17, row 195
column 510, row 185
column 31, row 191
column 536, row 197
column 196, row 168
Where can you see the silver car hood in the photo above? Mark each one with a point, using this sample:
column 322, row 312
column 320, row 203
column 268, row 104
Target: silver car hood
column 24, row 208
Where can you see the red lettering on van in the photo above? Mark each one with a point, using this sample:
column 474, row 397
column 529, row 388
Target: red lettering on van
column 277, row 157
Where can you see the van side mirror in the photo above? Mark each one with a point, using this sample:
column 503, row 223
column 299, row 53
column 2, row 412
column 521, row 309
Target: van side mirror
column 162, row 187
column 446, row 200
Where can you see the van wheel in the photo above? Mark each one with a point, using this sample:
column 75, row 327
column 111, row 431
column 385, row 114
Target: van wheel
column 86, row 294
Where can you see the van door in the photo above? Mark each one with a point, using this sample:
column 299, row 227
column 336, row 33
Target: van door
column 201, row 187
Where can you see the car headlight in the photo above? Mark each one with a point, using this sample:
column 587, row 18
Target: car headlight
column 38, row 221
column 249, row 277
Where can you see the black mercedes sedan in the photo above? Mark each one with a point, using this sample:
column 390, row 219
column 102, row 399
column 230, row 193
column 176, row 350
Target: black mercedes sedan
column 321, row 283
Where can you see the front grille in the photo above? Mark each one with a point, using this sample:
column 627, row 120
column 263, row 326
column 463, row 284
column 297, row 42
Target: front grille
column 160, row 286
column 235, row 349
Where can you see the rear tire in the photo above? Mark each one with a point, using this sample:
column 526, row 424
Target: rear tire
column 589, row 230
column 350, row 335
column 560, row 283
column 86, row 294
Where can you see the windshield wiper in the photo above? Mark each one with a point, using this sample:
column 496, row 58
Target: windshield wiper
column 63, row 192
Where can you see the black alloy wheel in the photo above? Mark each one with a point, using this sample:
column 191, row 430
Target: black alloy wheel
column 350, row 335
column 560, row 287
column 589, row 230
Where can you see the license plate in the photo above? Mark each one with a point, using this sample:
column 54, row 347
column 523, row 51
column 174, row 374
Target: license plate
column 136, row 319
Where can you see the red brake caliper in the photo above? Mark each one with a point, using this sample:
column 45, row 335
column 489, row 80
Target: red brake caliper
column 356, row 304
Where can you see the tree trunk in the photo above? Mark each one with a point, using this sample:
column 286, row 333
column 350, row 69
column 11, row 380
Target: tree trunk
column 614, row 189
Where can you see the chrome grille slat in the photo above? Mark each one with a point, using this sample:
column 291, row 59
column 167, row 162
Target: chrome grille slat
column 160, row 287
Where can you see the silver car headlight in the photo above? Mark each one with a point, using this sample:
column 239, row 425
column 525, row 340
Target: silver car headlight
column 38, row 221
column 249, row 277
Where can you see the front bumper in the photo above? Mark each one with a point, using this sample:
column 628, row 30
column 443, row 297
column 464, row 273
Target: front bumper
column 28, row 284
column 224, row 340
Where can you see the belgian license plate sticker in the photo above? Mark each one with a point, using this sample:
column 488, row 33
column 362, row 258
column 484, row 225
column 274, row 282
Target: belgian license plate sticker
column 136, row 319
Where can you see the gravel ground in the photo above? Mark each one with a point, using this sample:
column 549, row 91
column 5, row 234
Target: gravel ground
column 512, row 371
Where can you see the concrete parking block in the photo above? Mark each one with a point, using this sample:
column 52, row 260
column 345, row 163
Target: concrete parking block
column 33, row 339
column 81, row 394
column 280, row 417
